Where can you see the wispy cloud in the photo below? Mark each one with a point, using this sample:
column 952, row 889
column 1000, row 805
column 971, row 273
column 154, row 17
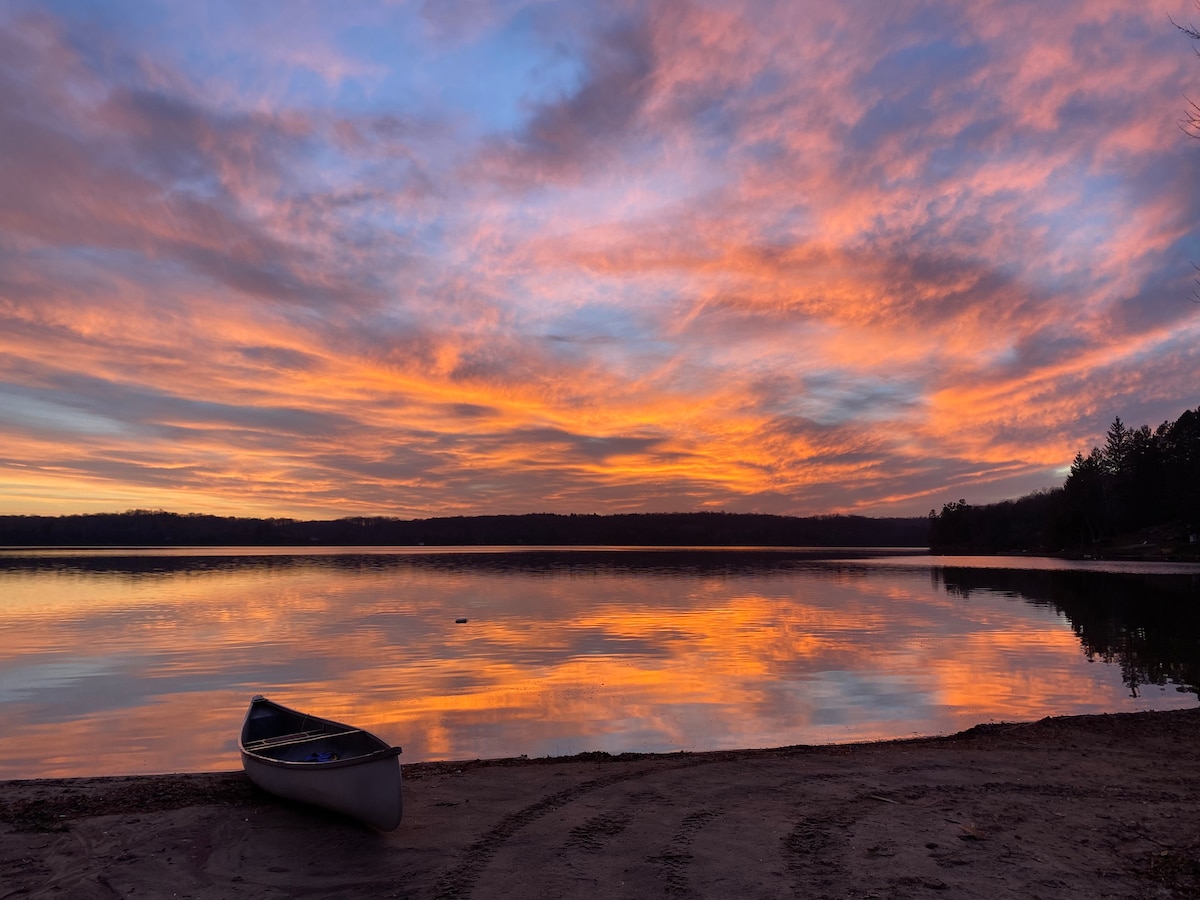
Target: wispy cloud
column 503, row 257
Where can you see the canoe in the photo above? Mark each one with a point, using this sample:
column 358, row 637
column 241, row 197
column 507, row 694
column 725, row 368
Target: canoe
column 325, row 763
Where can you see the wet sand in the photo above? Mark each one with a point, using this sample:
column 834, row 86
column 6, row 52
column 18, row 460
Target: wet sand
column 1087, row 807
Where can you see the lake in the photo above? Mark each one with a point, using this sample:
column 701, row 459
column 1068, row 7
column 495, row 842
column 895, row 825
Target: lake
column 143, row 661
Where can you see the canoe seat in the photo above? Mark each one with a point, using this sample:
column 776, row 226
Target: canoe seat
column 297, row 737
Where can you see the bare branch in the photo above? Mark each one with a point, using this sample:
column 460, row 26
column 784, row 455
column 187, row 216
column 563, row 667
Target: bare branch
column 1190, row 30
column 1190, row 125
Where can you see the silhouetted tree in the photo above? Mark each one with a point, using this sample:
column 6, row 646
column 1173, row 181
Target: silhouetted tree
column 1139, row 479
column 1086, row 495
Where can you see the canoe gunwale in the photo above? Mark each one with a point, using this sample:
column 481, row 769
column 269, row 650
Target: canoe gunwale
column 321, row 765
column 325, row 729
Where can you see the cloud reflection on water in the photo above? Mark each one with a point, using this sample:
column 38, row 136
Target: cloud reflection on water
column 120, row 669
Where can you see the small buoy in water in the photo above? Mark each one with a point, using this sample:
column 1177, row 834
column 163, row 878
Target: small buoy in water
column 460, row 621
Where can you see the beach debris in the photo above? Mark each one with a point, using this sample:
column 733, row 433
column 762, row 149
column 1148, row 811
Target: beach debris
column 970, row 832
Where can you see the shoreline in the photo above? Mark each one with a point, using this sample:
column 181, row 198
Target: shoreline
column 1078, row 806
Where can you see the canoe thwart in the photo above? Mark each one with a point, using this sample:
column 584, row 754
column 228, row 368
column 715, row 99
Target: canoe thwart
column 296, row 738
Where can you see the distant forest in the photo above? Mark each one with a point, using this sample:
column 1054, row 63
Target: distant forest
column 1139, row 494
column 156, row 528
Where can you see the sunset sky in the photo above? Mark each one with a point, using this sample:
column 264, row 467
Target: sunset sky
column 456, row 257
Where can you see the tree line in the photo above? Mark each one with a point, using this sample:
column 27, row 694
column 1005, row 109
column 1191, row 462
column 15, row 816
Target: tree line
column 1141, row 484
column 158, row 528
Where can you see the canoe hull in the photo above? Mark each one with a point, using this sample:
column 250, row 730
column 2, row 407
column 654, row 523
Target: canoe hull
column 369, row 792
column 321, row 762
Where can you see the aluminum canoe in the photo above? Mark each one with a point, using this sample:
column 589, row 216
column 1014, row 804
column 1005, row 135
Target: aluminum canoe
column 313, row 760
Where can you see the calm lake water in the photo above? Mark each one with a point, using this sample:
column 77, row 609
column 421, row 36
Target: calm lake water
column 117, row 662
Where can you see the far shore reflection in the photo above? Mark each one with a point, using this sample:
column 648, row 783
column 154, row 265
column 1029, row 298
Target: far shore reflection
column 133, row 661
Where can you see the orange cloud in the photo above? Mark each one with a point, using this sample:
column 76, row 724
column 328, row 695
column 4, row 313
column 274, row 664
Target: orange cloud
column 675, row 257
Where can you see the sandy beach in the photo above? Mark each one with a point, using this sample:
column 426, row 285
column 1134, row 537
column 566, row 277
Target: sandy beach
column 1088, row 807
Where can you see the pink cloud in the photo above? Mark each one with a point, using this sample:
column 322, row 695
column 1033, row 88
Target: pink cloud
column 748, row 257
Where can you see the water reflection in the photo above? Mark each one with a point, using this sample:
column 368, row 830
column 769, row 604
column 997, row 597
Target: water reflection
column 1148, row 625
column 144, row 662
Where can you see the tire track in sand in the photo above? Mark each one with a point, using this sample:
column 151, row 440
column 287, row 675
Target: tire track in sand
column 458, row 882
